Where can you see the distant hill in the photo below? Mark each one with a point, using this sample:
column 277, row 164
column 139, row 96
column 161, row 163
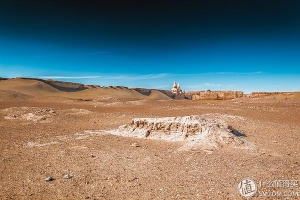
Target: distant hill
column 21, row 88
column 24, row 88
column 60, row 85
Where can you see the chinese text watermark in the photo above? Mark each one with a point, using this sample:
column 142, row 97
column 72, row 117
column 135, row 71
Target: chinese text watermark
column 270, row 188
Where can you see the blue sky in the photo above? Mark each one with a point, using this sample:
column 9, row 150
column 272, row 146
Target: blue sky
column 254, row 50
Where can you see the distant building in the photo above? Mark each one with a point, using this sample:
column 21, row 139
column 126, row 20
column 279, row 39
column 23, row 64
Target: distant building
column 176, row 89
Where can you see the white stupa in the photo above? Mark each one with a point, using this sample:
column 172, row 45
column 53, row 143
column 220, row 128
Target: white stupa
column 176, row 88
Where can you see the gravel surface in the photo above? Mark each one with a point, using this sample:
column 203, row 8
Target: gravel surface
column 60, row 139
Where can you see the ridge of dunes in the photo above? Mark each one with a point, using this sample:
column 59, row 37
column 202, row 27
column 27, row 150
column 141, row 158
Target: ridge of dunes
column 27, row 87
column 24, row 88
column 105, row 92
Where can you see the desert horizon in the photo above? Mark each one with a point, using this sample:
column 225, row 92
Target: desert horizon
column 68, row 86
column 63, row 140
column 149, row 100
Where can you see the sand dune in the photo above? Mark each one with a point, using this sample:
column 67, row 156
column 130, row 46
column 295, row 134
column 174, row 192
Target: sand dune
column 12, row 95
column 157, row 95
column 114, row 92
column 22, row 88
column 98, row 93
column 36, row 88
column 28, row 87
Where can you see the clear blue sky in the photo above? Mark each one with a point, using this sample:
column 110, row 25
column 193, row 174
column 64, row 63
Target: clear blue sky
column 248, row 46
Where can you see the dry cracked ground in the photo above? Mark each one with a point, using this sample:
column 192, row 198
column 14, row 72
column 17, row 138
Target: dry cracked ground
column 51, row 137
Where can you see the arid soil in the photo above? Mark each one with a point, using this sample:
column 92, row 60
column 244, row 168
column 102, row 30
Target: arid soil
column 49, row 137
column 66, row 136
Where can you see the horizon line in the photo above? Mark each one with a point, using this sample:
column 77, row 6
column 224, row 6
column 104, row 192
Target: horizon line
column 161, row 87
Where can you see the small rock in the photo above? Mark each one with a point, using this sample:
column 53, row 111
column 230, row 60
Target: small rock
column 67, row 176
column 49, row 178
column 132, row 179
column 135, row 145
column 209, row 151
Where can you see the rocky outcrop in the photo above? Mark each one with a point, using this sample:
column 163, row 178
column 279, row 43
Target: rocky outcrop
column 214, row 95
column 194, row 130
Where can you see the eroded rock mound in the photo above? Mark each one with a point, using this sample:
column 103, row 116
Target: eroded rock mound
column 194, row 130
column 214, row 95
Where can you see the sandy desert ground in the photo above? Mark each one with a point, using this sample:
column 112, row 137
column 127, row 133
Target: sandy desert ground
column 50, row 133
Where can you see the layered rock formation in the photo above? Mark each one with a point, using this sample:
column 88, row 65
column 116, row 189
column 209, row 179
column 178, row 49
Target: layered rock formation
column 214, row 95
column 194, row 130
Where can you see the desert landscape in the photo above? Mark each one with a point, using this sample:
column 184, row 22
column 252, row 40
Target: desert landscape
column 62, row 140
